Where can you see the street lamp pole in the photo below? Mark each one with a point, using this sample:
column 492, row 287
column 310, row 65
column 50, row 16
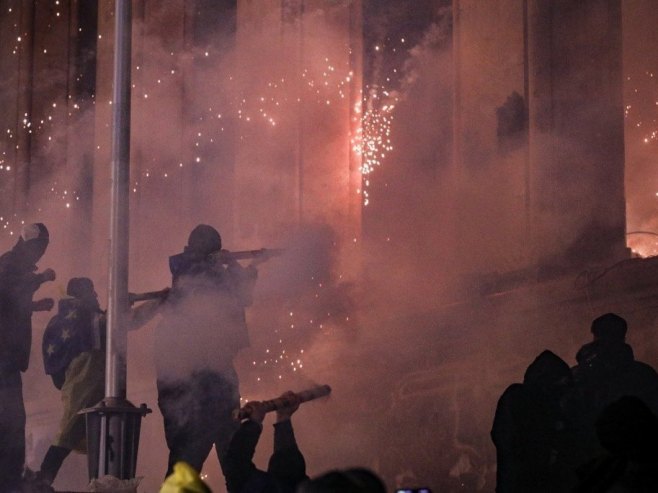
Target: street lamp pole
column 115, row 377
column 113, row 425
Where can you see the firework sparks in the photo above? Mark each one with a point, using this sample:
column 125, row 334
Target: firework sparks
column 372, row 140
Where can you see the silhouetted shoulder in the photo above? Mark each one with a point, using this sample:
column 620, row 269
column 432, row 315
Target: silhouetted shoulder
column 510, row 404
column 513, row 391
column 645, row 369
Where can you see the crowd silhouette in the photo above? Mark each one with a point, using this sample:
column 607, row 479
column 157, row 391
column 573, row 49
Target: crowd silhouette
column 587, row 429
column 592, row 428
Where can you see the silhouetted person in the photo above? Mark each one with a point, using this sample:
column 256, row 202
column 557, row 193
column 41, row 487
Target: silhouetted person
column 628, row 431
column 18, row 283
column 607, row 370
column 286, row 468
column 534, row 431
column 74, row 348
column 354, row 480
column 202, row 330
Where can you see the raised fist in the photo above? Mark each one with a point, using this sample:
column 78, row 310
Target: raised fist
column 48, row 275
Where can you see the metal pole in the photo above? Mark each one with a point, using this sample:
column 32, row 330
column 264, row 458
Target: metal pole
column 113, row 424
column 115, row 376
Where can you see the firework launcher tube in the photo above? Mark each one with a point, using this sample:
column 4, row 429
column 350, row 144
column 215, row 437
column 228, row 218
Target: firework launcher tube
column 149, row 295
column 180, row 262
column 261, row 254
column 280, row 403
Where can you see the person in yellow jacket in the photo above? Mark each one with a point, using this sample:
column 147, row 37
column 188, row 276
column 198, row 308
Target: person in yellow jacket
column 74, row 344
column 184, row 479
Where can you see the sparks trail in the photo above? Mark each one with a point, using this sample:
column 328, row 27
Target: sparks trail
column 326, row 309
column 372, row 140
column 641, row 108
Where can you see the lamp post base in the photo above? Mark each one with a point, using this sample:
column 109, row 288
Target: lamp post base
column 113, row 427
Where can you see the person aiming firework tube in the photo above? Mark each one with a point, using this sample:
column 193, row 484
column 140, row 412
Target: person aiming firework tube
column 203, row 328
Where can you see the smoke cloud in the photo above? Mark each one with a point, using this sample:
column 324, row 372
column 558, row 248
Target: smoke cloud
column 254, row 132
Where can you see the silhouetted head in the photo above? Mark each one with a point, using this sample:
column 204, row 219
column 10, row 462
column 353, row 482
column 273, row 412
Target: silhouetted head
column 33, row 242
column 204, row 240
column 627, row 427
column 609, row 327
column 356, row 480
column 548, row 372
column 82, row 288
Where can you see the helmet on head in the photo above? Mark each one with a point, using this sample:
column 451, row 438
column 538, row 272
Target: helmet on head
column 35, row 231
column 610, row 327
column 204, row 239
column 80, row 287
column 33, row 242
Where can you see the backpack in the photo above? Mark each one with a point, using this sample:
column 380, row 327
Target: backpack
column 66, row 336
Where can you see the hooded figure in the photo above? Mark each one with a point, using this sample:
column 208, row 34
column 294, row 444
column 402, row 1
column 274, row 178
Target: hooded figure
column 18, row 283
column 534, row 432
